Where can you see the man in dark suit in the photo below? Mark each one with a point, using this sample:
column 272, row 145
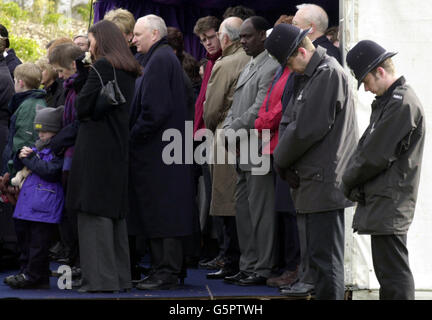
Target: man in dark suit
column 314, row 18
column 161, row 194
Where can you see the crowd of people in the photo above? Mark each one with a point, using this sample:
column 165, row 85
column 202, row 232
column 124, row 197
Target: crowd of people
column 83, row 170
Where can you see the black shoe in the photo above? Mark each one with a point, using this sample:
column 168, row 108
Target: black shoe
column 253, row 280
column 76, row 272
column 299, row 290
column 156, row 284
column 22, row 282
column 221, row 274
column 8, row 279
column 215, row 264
column 236, row 278
column 76, row 283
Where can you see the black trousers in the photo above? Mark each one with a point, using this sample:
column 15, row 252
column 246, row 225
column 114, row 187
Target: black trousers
column 390, row 260
column 230, row 249
column 289, row 241
column 325, row 232
column 68, row 228
column 166, row 258
column 34, row 240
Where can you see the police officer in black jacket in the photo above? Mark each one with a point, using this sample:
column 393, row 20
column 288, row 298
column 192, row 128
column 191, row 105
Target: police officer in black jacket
column 383, row 174
column 319, row 136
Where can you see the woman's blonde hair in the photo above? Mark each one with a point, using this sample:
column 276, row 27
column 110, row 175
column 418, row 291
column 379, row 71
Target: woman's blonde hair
column 122, row 18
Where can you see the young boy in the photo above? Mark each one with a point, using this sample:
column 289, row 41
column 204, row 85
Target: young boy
column 23, row 109
column 40, row 203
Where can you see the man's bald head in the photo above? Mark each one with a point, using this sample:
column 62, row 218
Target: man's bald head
column 229, row 31
column 311, row 16
column 147, row 31
column 233, row 22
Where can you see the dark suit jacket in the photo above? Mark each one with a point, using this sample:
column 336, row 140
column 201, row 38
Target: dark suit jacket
column 332, row 50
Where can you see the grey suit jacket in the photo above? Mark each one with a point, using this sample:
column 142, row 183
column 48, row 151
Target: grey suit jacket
column 250, row 92
column 251, row 89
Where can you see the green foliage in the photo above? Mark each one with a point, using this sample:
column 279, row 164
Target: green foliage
column 27, row 49
column 51, row 18
column 12, row 10
column 43, row 16
column 84, row 10
column 5, row 21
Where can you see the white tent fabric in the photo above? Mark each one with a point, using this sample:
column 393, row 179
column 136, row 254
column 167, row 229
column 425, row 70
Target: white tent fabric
column 405, row 27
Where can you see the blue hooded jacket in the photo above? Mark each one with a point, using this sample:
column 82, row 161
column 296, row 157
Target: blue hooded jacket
column 41, row 198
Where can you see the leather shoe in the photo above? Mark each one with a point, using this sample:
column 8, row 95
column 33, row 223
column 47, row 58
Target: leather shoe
column 236, row 278
column 253, row 280
column 22, row 282
column 285, row 279
column 215, row 264
column 156, row 284
column 221, row 274
column 299, row 290
column 11, row 278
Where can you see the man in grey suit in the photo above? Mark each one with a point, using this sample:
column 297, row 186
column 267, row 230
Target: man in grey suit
column 255, row 215
column 319, row 136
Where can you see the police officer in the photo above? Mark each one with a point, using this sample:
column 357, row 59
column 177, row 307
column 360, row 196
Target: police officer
column 383, row 174
column 319, row 136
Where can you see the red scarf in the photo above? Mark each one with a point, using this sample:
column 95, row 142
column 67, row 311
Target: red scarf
column 199, row 110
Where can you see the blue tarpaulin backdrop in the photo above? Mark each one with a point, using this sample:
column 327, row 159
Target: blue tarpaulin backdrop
column 183, row 14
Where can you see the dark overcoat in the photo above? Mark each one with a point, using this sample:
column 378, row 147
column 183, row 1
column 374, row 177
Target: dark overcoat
column 161, row 195
column 383, row 174
column 98, row 182
column 319, row 135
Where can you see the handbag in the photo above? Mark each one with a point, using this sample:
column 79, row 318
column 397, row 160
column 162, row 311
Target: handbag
column 110, row 97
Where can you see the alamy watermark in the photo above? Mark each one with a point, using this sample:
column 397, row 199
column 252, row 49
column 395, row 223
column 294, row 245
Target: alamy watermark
column 64, row 281
column 244, row 147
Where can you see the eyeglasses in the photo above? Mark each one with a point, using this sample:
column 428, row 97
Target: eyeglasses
column 209, row 38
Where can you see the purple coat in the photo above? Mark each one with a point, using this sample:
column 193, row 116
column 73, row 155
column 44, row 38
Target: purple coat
column 41, row 198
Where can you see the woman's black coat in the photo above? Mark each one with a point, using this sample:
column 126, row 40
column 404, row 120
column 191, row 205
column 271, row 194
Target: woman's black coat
column 98, row 182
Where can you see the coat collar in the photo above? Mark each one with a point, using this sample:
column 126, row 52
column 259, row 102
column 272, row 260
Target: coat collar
column 321, row 40
column 388, row 94
column 315, row 61
column 252, row 67
column 231, row 49
column 19, row 98
column 146, row 57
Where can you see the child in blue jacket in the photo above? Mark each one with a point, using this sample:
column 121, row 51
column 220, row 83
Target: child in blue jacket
column 40, row 203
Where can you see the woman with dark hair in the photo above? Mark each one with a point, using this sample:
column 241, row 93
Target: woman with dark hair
column 97, row 188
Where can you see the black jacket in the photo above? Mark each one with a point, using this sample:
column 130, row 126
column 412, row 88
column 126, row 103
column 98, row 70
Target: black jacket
column 332, row 50
column 7, row 90
column 55, row 94
column 161, row 194
column 99, row 174
column 319, row 135
column 12, row 61
column 383, row 174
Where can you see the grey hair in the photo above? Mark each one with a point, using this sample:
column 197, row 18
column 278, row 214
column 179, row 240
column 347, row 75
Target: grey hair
column 80, row 36
column 232, row 32
column 154, row 22
column 315, row 14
